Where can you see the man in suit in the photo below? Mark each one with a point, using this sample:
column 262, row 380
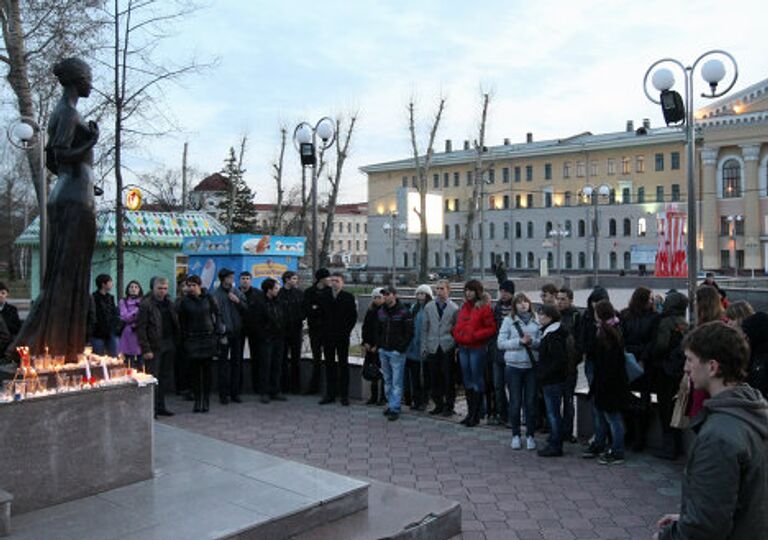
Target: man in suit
column 339, row 310
column 438, row 344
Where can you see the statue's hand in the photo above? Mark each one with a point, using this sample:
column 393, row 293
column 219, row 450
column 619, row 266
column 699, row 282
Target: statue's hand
column 94, row 127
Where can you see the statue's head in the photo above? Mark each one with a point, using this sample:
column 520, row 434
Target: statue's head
column 74, row 72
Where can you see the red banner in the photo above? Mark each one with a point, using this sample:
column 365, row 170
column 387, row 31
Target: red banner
column 671, row 258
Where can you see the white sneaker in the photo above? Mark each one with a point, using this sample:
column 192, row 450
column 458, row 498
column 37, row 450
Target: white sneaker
column 530, row 443
column 516, row 445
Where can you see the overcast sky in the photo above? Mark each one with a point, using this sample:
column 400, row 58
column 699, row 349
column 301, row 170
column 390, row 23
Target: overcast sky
column 555, row 68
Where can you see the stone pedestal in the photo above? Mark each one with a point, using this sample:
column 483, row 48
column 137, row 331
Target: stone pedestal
column 67, row 446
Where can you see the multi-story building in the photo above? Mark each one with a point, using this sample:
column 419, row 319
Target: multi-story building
column 349, row 230
column 534, row 188
column 210, row 193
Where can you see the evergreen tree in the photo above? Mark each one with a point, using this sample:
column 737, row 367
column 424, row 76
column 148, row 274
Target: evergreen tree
column 239, row 211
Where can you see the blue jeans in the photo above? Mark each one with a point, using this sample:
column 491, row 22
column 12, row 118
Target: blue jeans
column 472, row 363
column 102, row 346
column 521, row 384
column 553, row 397
column 614, row 421
column 392, row 367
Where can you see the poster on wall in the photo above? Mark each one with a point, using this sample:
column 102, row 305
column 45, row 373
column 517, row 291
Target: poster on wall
column 671, row 260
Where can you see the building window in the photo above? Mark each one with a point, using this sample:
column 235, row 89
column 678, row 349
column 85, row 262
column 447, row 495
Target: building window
column 446, row 179
column 365, row 228
column 456, row 205
column 725, row 226
column 436, row 181
column 506, row 202
column 613, row 260
column 547, row 171
column 659, row 159
column 491, row 230
column 529, row 173
column 640, row 164
column 582, row 260
column 738, row 227
column 405, row 259
column 506, row 230
column 674, row 159
column 447, row 260
column 593, row 168
column 550, row 260
column 581, row 169
column 469, row 178
column 349, row 245
column 582, row 228
column 626, row 195
column 517, row 174
column 479, row 230
column 530, row 260
column 341, row 227
column 568, row 260
column 518, row 259
column 413, row 182
column 349, row 228
column 731, row 179
column 447, row 205
column 357, row 245
column 625, row 165
column 567, row 169
column 530, row 229
column 447, row 232
column 627, row 227
column 659, row 193
column 612, row 196
column 518, row 230
column 456, row 231
column 611, row 168
column 627, row 261
column 675, row 192
column 437, row 259
column 357, row 228
column 567, row 198
column 611, row 227
column 739, row 258
column 365, row 245
column 530, row 200
column 725, row 258
column 548, row 199
column 641, row 195
column 517, row 201
column 492, row 202
column 405, row 181
column 505, row 175
column 491, row 176
column 642, row 227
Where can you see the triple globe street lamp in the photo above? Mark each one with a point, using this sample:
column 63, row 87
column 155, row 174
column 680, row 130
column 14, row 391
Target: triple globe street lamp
column 678, row 110
column 25, row 134
column 305, row 140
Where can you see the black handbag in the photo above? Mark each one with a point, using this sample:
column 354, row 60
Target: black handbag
column 371, row 367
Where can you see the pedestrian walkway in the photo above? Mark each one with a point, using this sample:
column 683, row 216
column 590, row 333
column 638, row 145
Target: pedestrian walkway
column 505, row 494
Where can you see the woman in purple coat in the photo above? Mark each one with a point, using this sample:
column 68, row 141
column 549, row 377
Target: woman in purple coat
column 129, row 315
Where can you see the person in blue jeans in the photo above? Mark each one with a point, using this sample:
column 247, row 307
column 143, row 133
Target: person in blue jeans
column 551, row 375
column 518, row 337
column 610, row 387
column 501, row 310
column 395, row 331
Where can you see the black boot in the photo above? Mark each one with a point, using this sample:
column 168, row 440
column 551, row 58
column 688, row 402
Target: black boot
column 374, row 394
column 198, row 406
column 476, row 409
column 470, row 397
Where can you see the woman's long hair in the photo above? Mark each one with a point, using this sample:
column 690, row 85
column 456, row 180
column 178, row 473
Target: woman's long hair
column 476, row 286
column 709, row 307
column 608, row 333
column 520, row 297
column 639, row 303
column 141, row 291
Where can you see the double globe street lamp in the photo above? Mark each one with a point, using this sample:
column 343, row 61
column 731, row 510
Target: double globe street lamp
column 305, row 140
column 593, row 193
column 25, row 134
column 679, row 110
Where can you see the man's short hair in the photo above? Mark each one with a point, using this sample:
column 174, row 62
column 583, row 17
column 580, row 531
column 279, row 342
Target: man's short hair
column 159, row 280
column 245, row 273
column 193, row 279
column 549, row 288
column 288, row 274
column 338, row 275
column 101, row 279
column 445, row 283
column 268, row 284
column 4, row 287
column 567, row 292
column 717, row 341
column 550, row 311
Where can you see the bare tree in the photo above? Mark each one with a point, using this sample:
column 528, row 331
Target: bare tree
column 334, row 179
column 422, row 165
column 277, row 174
column 140, row 26
column 15, row 205
column 478, row 183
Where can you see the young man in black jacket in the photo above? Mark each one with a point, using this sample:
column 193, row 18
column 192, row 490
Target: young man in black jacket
column 293, row 299
column 252, row 296
column 271, row 321
column 104, row 335
column 314, row 314
column 395, row 333
column 339, row 309
column 551, row 374
column 570, row 320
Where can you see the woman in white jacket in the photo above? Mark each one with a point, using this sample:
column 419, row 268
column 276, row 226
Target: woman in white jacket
column 519, row 337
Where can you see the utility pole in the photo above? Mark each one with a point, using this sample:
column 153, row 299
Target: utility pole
column 184, row 178
column 482, row 223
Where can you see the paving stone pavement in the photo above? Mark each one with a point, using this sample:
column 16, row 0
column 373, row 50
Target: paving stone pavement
column 505, row 494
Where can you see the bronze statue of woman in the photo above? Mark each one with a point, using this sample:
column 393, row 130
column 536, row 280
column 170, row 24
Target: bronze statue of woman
column 59, row 317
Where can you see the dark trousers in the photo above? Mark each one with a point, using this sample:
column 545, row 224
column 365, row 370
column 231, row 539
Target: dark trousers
column 419, row 376
column 441, row 378
column 271, row 356
column 569, row 411
column 200, row 378
column 230, row 363
column 181, row 371
column 161, row 368
column 291, row 357
column 316, row 344
column 666, row 387
column 253, row 352
column 336, row 351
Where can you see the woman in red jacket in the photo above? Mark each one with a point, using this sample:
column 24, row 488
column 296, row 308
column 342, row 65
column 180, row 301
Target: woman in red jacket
column 475, row 326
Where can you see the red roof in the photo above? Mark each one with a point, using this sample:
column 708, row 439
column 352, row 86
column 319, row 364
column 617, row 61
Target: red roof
column 214, row 182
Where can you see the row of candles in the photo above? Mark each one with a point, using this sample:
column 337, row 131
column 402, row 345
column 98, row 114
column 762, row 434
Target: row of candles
column 97, row 371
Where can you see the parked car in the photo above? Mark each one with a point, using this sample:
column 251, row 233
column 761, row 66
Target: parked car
column 357, row 267
column 448, row 272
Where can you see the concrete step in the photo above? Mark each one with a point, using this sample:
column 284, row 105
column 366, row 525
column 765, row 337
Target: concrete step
column 394, row 513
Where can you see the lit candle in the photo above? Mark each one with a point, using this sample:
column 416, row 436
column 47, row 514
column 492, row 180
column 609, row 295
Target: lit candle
column 104, row 371
column 87, row 369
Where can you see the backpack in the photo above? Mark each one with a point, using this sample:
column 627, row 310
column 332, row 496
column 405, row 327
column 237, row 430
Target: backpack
column 674, row 362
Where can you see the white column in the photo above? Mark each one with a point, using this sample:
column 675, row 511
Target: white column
column 710, row 218
column 753, row 258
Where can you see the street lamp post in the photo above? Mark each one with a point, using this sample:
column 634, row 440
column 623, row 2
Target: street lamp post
column 305, row 140
column 24, row 134
column 732, row 220
column 392, row 227
column 593, row 192
column 558, row 233
column 713, row 71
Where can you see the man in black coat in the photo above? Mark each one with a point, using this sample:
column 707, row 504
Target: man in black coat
column 252, row 296
column 270, row 321
column 339, row 310
column 314, row 314
column 292, row 299
column 104, row 334
column 9, row 312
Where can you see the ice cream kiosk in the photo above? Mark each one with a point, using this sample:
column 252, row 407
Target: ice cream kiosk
column 263, row 256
